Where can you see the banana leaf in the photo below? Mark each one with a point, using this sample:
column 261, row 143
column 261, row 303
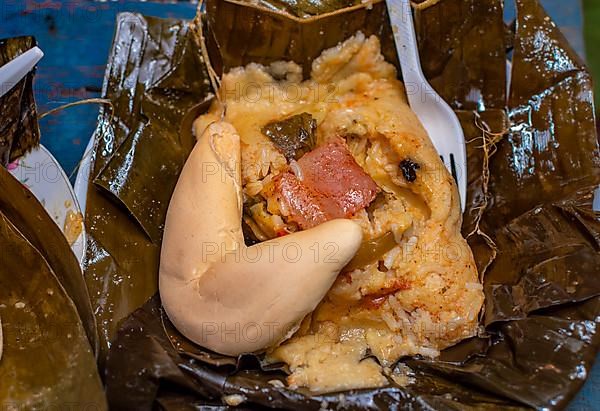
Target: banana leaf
column 46, row 358
column 307, row 8
column 533, row 165
column 178, row 381
column 248, row 34
column 30, row 218
column 156, row 81
column 19, row 130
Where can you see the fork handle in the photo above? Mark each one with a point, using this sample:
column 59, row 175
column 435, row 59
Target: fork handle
column 14, row 71
column 401, row 17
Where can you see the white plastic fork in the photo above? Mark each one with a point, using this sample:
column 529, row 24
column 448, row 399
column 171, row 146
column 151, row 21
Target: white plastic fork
column 435, row 114
column 13, row 71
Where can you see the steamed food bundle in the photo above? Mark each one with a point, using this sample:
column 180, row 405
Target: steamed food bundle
column 537, row 262
column 290, row 160
column 312, row 241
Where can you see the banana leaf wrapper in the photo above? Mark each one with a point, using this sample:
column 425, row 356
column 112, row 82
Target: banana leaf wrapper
column 157, row 83
column 19, row 130
column 48, row 330
column 533, row 166
column 30, row 218
column 247, row 34
column 307, row 8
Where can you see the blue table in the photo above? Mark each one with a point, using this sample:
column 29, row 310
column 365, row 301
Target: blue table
column 76, row 36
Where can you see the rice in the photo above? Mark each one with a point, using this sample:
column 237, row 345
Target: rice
column 428, row 352
column 389, row 319
column 296, row 170
column 474, row 286
column 252, row 189
column 411, row 300
column 234, row 400
column 390, row 257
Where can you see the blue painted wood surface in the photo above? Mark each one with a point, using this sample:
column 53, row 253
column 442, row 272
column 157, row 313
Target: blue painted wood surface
column 76, row 36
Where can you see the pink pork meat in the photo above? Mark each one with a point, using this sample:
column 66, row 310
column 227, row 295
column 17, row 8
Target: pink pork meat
column 327, row 184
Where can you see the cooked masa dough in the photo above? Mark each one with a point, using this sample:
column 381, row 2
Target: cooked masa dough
column 417, row 295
